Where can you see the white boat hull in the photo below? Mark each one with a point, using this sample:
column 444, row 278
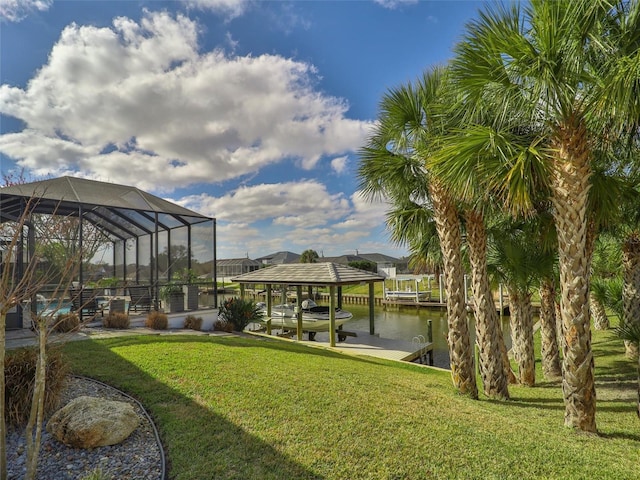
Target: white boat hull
column 315, row 319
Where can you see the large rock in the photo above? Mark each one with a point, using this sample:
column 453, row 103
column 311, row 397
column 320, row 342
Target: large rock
column 88, row 422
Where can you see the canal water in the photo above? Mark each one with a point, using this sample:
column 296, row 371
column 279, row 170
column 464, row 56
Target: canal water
column 405, row 323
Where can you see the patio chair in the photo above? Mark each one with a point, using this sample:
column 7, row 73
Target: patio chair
column 85, row 302
column 140, row 298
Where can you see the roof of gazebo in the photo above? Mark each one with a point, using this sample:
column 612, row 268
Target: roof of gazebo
column 121, row 210
column 309, row 274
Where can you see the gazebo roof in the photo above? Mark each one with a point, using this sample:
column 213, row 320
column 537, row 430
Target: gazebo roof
column 309, row 274
column 121, row 211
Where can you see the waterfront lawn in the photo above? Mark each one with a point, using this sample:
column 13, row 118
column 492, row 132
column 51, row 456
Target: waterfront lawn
column 252, row 408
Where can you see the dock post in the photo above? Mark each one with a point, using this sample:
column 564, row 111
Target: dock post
column 299, row 310
column 332, row 316
column 269, row 303
column 441, row 288
column 430, row 340
column 372, row 328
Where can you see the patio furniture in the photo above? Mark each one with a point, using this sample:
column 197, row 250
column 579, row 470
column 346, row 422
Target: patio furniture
column 85, row 302
column 140, row 298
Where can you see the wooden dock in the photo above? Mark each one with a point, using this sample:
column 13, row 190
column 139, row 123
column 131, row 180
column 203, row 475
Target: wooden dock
column 374, row 346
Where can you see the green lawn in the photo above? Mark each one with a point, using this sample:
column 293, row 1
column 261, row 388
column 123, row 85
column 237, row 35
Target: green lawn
column 251, row 408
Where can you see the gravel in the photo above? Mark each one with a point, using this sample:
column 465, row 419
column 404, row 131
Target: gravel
column 140, row 456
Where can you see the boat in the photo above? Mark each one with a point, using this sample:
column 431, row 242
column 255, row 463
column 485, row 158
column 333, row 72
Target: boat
column 315, row 318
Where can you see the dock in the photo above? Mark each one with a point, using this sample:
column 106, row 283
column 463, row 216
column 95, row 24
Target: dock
column 363, row 343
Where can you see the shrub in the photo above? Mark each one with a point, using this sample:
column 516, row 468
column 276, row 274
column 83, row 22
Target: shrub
column 67, row 322
column 240, row 312
column 96, row 474
column 193, row 322
column 116, row 320
column 20, row 370
column 157, row 320
column 223, row 326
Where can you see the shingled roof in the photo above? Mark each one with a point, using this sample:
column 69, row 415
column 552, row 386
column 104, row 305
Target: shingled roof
column 309, row 274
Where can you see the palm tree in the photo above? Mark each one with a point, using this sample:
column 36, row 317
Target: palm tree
column 607, row 258
column 495, row 366
column 392, row 165
column 549, row 351
column 630, row 332
column 517, row 259
column 569, row 69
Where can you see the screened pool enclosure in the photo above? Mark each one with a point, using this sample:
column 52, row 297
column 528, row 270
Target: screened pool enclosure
column 125, row 237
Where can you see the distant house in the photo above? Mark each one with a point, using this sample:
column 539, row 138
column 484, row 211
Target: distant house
column 279, row 258
column 389, row 266
column 236, row 266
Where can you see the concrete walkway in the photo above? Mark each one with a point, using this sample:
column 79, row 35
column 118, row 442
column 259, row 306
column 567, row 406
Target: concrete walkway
column 25, row 338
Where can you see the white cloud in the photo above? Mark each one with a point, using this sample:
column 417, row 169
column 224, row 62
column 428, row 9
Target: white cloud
column 366, row 213
column 229, row 8
column 293, row 204
column 16, row 10
column 296, row 216
column 138, row 103
column 339, row 164
column 393, row 4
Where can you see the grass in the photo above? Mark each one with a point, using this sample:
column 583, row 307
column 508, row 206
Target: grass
column 251, row 408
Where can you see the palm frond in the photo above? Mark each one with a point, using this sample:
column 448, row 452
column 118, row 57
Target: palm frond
column 629, row 332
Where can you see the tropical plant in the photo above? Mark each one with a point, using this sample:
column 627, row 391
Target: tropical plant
column 568, row 69
column 240, row 312
column 170, row 289
column 393, row 167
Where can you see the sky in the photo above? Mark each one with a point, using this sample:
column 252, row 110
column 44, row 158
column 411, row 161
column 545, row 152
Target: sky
column 252, row 112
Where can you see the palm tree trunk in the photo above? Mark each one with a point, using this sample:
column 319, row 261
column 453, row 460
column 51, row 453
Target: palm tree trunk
column 488, row 332
column 548, row 332
column 522, row 336
column 600, row 319
column 570, row 183
column 460, row 353
column 631, row 288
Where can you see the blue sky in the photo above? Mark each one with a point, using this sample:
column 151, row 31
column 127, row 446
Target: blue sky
column 249, row 111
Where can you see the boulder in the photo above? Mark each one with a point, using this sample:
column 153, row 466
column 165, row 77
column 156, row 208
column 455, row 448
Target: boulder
column 88, row 422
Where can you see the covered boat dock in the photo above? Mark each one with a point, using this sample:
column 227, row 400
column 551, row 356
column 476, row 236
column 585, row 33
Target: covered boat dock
column 299, row 275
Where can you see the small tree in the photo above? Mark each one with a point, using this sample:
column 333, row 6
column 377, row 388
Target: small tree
column 309, row 256
column 15, row 289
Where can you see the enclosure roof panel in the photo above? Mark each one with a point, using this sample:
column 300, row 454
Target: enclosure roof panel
column 120, row 210
column 92, row 192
